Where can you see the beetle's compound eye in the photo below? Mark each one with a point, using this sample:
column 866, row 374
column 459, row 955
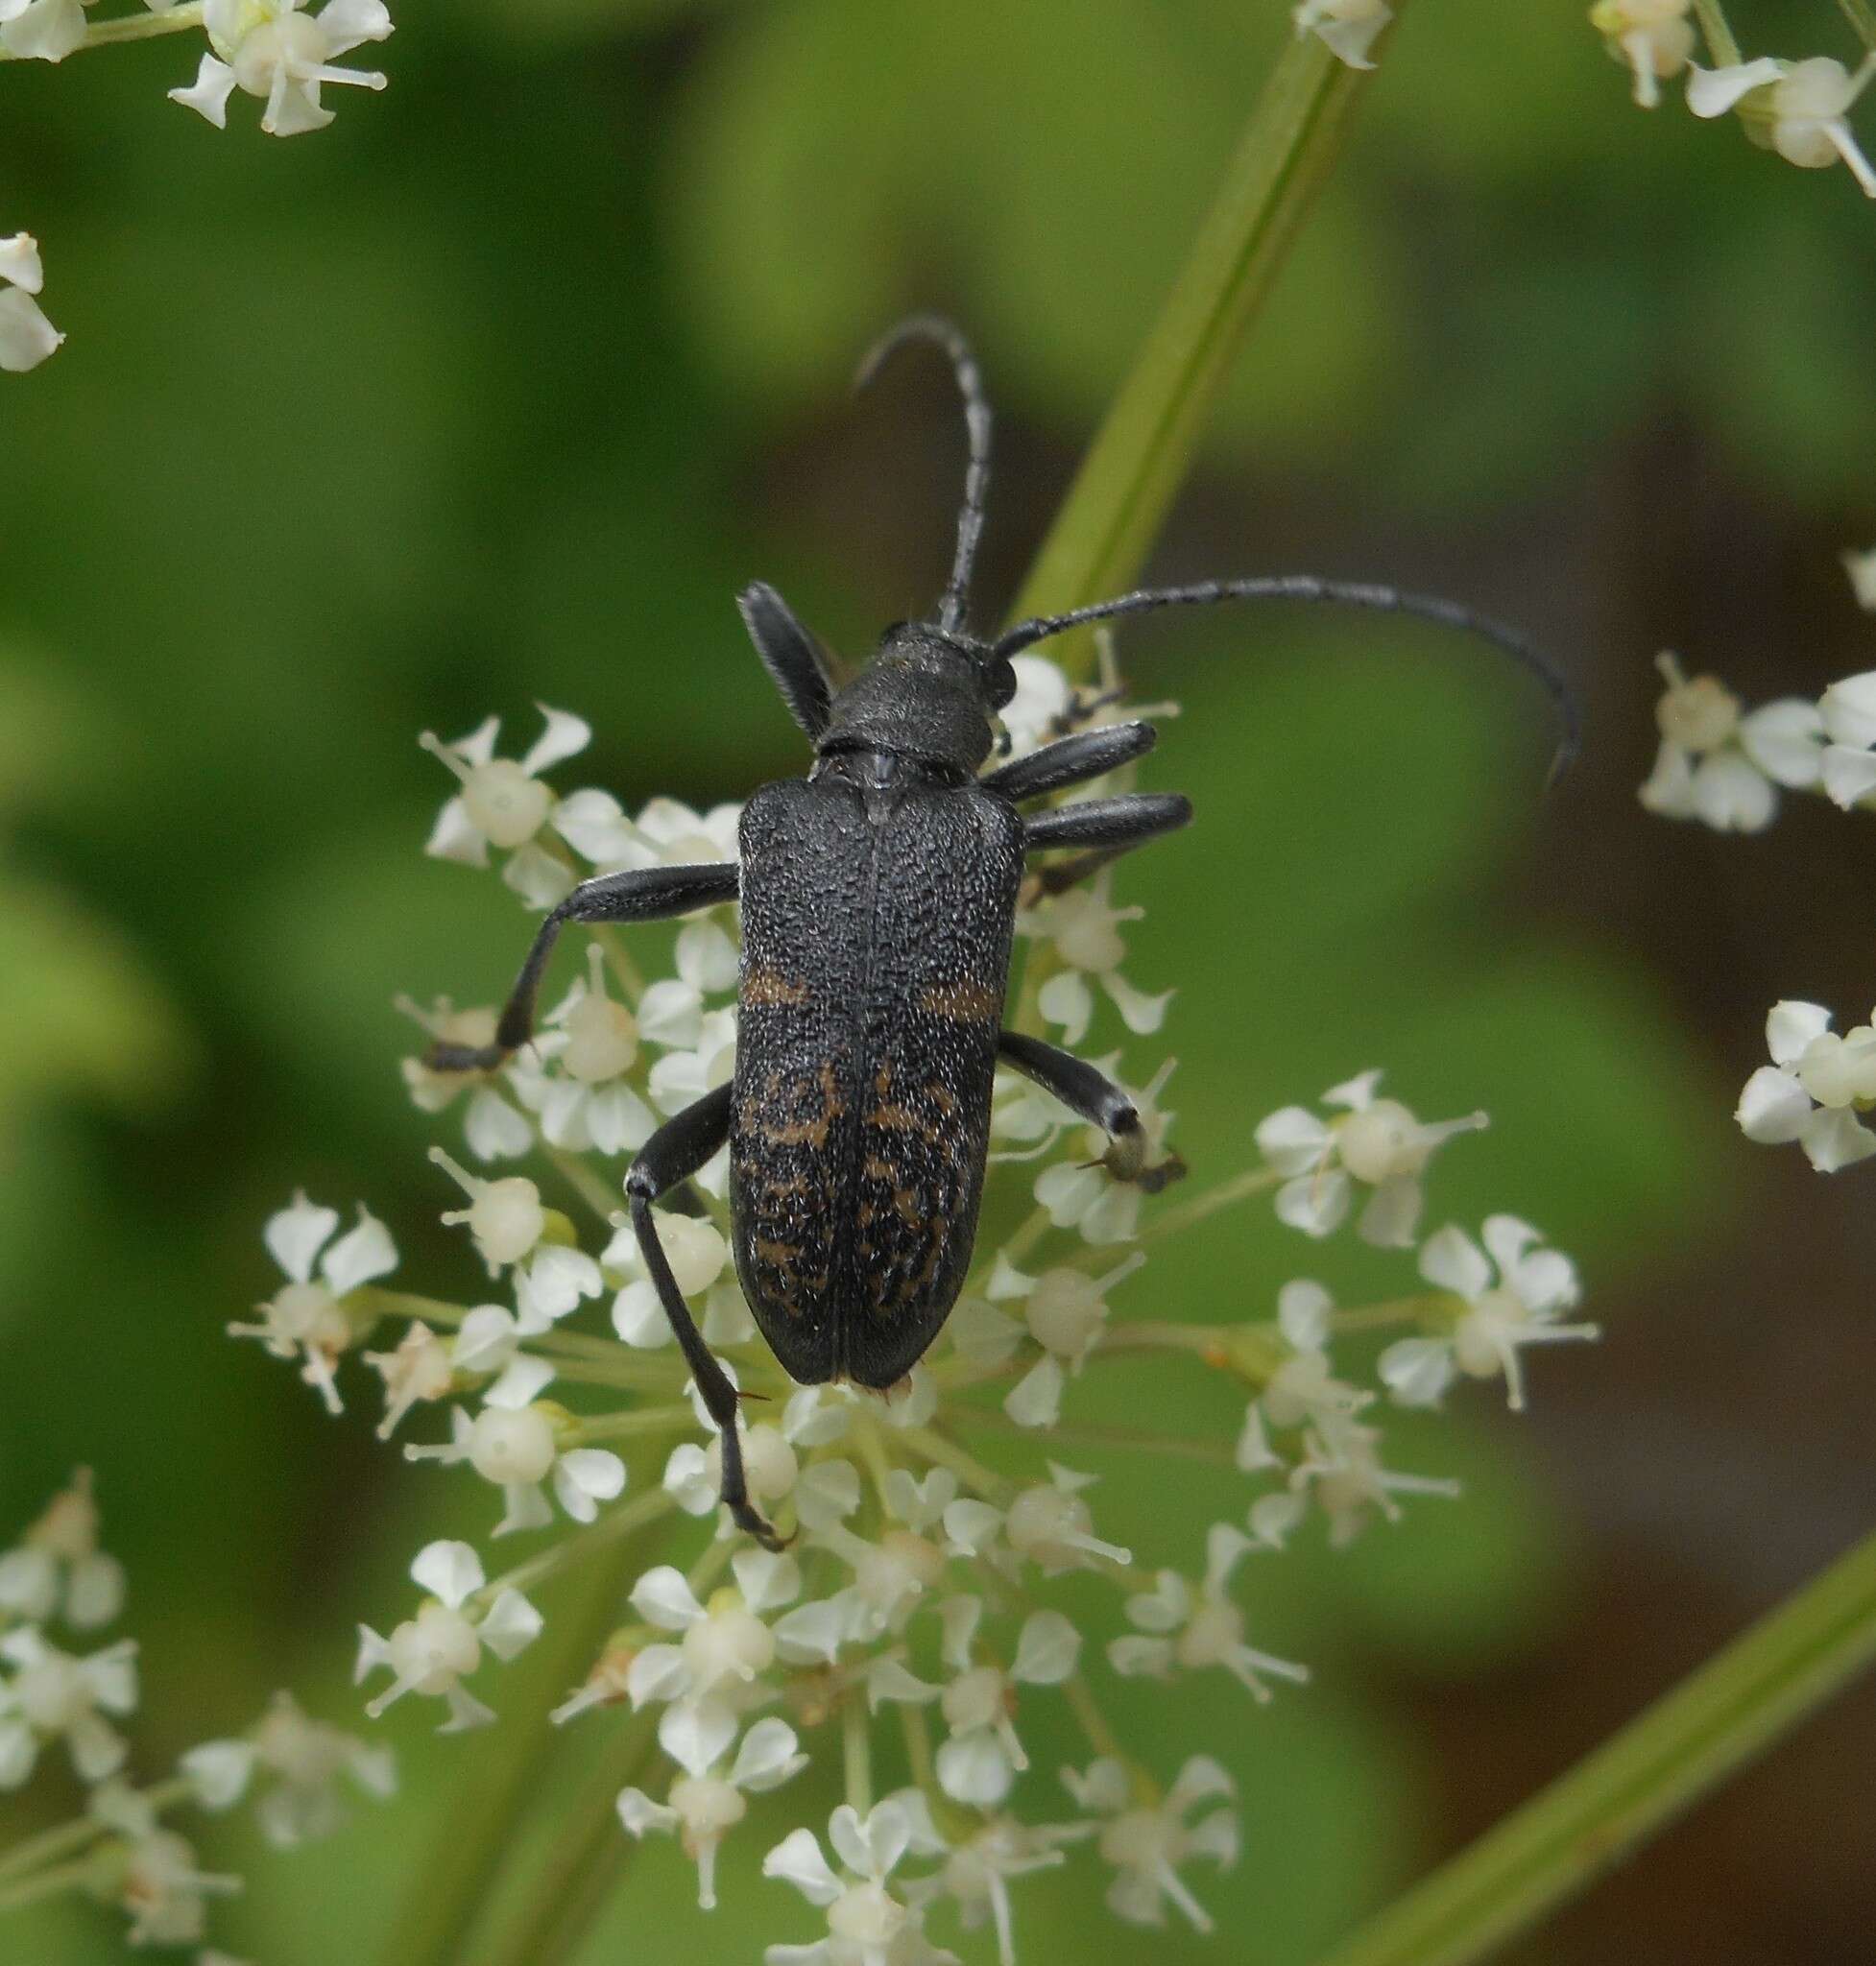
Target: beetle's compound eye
column 998, row 681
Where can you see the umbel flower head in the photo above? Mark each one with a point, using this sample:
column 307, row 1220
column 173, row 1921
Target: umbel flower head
column 284, row 54
column 950, row 1576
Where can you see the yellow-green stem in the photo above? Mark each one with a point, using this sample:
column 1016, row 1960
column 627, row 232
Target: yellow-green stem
column 1722, row 48
column 130, row 26
column 1145, row 446
column 1637, row 1782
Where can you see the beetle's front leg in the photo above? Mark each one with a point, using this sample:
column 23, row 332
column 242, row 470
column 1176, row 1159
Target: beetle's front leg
column 640, row 894
column 673, row 1153
column 1095, row 1098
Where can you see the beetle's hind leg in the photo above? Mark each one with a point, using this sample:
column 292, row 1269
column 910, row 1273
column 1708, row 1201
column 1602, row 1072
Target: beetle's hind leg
column 1095, row 1098
column 673, row 1153
column 640, row 894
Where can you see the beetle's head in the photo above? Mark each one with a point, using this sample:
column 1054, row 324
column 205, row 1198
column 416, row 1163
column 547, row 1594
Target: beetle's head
column 929, row 693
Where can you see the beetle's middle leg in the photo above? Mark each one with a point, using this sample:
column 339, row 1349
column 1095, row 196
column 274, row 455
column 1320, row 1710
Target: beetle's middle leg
column 640, row 894
column 1107, row 827
column 1093, row 1096
column 673, row 1153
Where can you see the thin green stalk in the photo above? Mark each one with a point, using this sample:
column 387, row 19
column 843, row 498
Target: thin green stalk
column 65, row 1838
column 1722, row 48
column 1584, row 1824
column 130, row 26
column 48, row 1884
column 1127, row 483
column 452, row 1885
column 1862, row 17
column 589, row 1851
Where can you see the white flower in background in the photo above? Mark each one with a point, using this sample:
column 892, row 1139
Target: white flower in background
column 504, row 804
column 1082, row 927
column 981, row 1758
column 1813, row 1089
column 977, row 1872
column 300, row 1761
column 867, row 1926
column 518, row 1444
column 1511, row 1300
column 41, row 31
column 1147, row 1842
column 706, row 1802
column 1862, row 569
column 1847, row 711
column 1341, row 1471
column 26, row 336
column 1654, row 39
column 1188, row 1629
column 307, row 1320
column 163, row 1888
column 57, row 1570
column 439, row 1648
column 1721, row 767
column 682, row 1077
column 1799, row 109
column 721, row 1648
column 1066, row 1310
column 493, row 1128
column 1049, row 1525
column 1346, row 28
column 514, row 1230
column 1302, row 1388
column 1372, row 1141
column 50, row 1694
column 277, row 50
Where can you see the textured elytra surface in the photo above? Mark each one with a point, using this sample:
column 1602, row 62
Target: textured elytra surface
column 877, row 931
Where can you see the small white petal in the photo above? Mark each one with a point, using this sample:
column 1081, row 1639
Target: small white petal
column 362, row 1253
column 511, row 1626
column 1849, row 776
column 449, row 1572
column 1773, row 1107
column 1713, row 91
column 296, row 1235
column 1792, row 1026
column 1451, row 1260
column 1047, row 1649
column 695, row 1735
column 798, row 1861
column 1833, row 1139
column 662, row 1597
column 564, row 736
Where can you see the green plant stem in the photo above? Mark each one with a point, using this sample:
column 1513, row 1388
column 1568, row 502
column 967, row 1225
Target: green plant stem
column 1862, row 17
column 47, row 1883
column 1722, row 48
column 67, row 1838
column 589, row 1851
column 451, row 1887
column 1127, row 482
column 130, row 26
column 1587, row 1822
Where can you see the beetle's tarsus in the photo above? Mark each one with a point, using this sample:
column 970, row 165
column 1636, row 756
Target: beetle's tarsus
column 465, row 1058
column 751, row 1523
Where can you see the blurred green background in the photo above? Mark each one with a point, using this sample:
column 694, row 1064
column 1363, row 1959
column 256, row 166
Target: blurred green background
column 499, row 389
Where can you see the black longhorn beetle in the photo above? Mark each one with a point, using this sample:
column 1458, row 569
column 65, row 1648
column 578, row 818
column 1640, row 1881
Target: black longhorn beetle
column 879, row 899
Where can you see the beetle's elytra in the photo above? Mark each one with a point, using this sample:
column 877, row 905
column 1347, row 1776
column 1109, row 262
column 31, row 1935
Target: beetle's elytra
column 878, row 901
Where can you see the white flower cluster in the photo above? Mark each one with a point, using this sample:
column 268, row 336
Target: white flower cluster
column 278, row 51
column 1800, row 110
column 1725, row 766
column 71, row 1695
column 910, row 1615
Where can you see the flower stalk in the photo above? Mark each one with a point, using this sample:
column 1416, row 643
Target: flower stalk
column 1145, row 446
column 1633, row 1787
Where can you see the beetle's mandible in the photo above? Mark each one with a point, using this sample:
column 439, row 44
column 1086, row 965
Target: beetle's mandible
column 879, row 899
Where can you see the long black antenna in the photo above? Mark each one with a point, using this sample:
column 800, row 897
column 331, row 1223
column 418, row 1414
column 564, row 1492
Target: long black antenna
column 934, row 327
column 1308, row 587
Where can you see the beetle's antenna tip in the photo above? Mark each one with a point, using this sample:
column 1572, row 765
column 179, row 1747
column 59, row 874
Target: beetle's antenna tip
column 934, row 327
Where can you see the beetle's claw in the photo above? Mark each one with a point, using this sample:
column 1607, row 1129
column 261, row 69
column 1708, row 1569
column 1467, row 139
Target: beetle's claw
column 747, row 1520
column 1150, row 1180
